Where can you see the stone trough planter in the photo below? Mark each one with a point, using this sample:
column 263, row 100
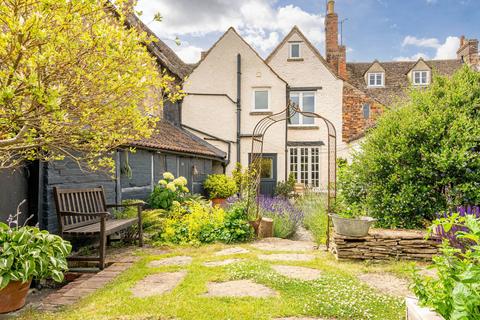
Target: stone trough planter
column 352, row 227
column 415, row 312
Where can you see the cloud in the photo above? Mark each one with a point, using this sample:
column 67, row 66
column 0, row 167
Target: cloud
column 445, row 50
column 189, row 53
column 261, row 22
column 415, row 57
column 423, row 42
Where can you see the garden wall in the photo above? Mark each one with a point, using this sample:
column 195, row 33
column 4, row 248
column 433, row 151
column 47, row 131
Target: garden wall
column 382, row 244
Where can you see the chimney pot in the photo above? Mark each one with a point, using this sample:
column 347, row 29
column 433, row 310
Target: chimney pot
column 331, row 7
column 203, row 54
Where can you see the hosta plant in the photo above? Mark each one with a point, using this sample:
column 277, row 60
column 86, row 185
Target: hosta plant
column 29, row 253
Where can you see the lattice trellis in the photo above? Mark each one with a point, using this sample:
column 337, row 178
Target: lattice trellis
column 258, row 137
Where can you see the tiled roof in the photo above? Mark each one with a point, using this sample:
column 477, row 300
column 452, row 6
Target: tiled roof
column 396, row 80
column 172, row 138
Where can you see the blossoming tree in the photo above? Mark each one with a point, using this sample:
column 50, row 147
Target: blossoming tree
column 74, row 81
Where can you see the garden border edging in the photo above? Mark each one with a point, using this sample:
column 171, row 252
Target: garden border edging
column 416, row 312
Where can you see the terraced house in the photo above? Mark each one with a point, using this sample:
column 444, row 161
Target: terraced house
column 232, row 88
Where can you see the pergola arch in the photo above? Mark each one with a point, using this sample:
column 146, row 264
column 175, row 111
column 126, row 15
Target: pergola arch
column 258, row 136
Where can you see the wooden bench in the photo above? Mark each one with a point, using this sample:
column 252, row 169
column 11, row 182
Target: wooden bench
column 82, row 213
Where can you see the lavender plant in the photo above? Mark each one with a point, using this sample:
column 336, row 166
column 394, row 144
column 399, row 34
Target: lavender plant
column 451, row 233
column 286, row 217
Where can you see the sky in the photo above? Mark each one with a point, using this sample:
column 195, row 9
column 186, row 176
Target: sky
column 375, row 29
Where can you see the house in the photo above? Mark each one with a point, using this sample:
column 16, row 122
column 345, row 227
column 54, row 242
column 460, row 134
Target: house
column 171, row 148
column 232, row 88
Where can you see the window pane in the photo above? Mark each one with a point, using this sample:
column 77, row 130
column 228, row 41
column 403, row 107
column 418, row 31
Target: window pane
column 294, row 162
column 261, row 100
column 295, row 98
column 315, row 167
column 308, row 106
column 371, row 79
column 417, row 77
column 424, row 77
column 379, row 79
column 304, row 165
column 265, row 166
column 295, row 50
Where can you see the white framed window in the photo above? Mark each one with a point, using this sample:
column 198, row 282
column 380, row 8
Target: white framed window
column 304, row 163
column 295, row 50
column 376, row 79
column 421, row 78
column 261, row 99
column 306, row 102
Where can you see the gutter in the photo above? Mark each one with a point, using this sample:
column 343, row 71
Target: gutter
column 214, row 138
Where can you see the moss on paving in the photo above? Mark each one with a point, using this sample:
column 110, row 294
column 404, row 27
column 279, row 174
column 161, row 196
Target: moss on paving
column 337, row 294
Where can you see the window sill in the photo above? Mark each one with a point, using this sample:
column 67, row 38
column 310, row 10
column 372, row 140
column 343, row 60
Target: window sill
column 295, row 59
column 375, row 87
column 261, row 113
column 302, row 127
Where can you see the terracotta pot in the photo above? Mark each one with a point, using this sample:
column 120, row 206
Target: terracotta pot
column 219, row 202
column 13, row 296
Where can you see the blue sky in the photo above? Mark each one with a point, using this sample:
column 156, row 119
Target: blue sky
column 375, row 29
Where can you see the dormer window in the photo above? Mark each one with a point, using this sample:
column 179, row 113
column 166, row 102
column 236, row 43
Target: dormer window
column 421, row 78
column 295, row 52
column 376, row 79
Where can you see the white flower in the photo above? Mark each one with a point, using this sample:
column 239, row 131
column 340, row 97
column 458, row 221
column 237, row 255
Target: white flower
column 162, row 182
column 171, row 186
column 168, row 176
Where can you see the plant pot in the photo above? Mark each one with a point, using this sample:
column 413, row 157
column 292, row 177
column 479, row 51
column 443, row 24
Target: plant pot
column 221, row 202
column 13, row 296
column 352, row 227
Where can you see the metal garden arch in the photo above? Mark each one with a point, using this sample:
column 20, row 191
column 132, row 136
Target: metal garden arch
column 258, row 137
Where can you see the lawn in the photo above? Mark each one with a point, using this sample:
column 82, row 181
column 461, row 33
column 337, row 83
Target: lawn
column 337, row 294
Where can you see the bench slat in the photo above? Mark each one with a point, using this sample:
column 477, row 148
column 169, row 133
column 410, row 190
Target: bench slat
column 111, row 226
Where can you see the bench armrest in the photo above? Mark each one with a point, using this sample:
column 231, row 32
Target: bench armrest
column 125, row 205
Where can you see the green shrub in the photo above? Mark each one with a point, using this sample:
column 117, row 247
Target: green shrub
column 27, row 253
column 455, row 294
column 220, row 186
column 167, row 191
column 197, row 222
column 127, row 212
column 286, row 188
column 422, row 157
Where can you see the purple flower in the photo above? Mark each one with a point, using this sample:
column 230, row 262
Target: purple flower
column 451, row 234
column 279, row 206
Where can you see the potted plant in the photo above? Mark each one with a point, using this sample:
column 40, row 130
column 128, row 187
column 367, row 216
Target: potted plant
column 351, row 221
column 219, row 188
column 27, row 253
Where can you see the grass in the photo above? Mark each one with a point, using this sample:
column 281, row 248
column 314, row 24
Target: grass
column 315, row 215
column 337, row 294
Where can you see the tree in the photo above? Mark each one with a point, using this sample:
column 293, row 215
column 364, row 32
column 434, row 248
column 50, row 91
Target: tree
column 74, row 81
column 423, row 156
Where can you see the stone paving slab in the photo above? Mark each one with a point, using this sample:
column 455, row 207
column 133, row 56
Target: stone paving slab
column 221, row 262
column 297, row 318
column 300, row 273
column 172, row 261
column 157, row 284
column 238, row 288
column 287, row 257
column 230, row 251
column 386, row 283
column 277, row 244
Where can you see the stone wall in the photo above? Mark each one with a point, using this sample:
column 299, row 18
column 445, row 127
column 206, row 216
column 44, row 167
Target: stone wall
column 381, row 244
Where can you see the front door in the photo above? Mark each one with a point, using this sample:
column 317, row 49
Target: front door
column 268, row 176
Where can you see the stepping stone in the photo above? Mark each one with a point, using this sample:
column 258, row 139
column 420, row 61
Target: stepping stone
column 277, row 244
column 238, row 288
column 229, row 251
column 221, row 263
column 302, row 234
column 157, row 284
column 173, row 261
column 300, row 273
column 386, row 283
column 287, row 257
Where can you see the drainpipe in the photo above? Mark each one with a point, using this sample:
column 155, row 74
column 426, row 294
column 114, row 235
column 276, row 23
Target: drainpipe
column 239, row 106
column 287, row 100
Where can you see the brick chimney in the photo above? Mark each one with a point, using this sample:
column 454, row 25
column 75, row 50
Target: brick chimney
column 336, row 55
column 468, row 51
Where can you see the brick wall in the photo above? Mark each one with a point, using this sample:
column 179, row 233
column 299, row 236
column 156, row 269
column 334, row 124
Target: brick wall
column 354, row 122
